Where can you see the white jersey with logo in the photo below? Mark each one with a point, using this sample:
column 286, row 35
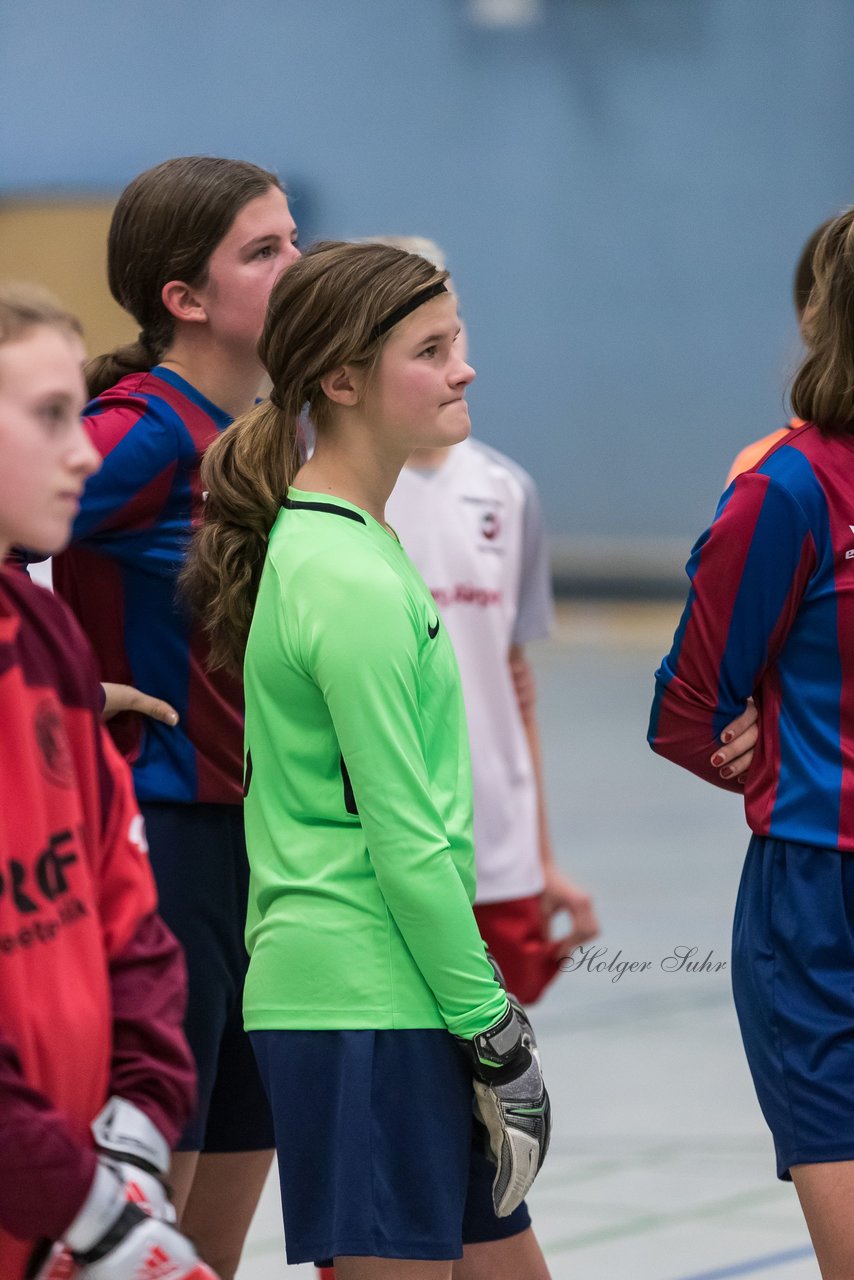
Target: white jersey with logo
column 474, row 530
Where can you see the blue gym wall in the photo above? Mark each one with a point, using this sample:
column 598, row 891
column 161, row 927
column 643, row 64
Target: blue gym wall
column 622, row 191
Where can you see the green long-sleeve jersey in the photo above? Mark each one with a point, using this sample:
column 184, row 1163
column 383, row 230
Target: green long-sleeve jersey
column 358, row 790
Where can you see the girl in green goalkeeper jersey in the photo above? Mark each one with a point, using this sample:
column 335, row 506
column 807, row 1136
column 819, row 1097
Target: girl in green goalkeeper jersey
column 364, row 949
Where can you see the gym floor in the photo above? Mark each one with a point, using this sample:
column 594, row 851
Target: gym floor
column 661, row 1167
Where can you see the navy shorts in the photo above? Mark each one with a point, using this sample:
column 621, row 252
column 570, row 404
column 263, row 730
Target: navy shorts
column 378, row 1149
column 793, row 981
column 198, row 856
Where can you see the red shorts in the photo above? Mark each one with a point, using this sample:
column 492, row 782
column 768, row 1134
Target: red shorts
column 517, row 935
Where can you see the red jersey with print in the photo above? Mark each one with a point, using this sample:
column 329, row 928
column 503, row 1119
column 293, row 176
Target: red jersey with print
column 120, row 577
column 91, row 982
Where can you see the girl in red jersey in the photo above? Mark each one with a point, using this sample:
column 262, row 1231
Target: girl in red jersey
column 91, row 982
column 195, row 246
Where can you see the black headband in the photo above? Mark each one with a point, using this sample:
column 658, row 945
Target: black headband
column 417, row 300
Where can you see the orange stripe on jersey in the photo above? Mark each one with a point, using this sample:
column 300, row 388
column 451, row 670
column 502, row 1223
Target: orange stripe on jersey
column 755, row 452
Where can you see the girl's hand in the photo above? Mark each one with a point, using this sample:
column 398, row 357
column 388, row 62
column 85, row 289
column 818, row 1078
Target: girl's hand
column 562, row 894
column 123, row 697
column 739, row 738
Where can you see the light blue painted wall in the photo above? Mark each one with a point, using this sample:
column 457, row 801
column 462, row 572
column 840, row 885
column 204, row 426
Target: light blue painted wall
column 622, row 190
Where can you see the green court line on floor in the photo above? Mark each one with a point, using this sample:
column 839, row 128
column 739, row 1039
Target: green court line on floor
column 609, row 1209
column 571, row 1167
column 657, row 1153
column 644, row 1223
column 639, row 1225
column 726, row 1143
column 600, row 1168
column 771, row 1222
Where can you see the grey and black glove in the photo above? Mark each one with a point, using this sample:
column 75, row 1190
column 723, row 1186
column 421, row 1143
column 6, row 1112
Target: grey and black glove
column 512, row 1102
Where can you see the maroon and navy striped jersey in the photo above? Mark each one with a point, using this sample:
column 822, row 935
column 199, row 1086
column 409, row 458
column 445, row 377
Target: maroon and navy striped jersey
column 120, row 574
column 92, row 984
column 770, row 613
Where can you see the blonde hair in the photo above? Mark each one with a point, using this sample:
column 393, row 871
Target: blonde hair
column 28, row 306
column 823, row 389
column 323, row 313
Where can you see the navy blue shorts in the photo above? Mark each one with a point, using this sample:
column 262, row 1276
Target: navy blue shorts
column 198, row 856
column 793, row 981
column 379, row 1152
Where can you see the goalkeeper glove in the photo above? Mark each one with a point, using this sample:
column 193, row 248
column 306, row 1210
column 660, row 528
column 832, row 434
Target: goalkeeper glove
column 513, row 1104
column 112, row 1238
column 138, row 1152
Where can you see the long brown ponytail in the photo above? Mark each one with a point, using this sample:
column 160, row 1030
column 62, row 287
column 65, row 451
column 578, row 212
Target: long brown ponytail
column 246, row 473
column 823, row 389
column 321, row 315
column 165, row 226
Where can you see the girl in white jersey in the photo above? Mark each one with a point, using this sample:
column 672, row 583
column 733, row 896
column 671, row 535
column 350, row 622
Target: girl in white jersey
column 364, row 949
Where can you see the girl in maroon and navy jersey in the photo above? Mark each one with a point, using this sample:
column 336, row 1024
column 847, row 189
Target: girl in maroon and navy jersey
column 771, row 614
column 92, row 983
column 195, row 247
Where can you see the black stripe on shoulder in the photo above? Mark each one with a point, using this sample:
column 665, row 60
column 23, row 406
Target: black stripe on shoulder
column 324, row 506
